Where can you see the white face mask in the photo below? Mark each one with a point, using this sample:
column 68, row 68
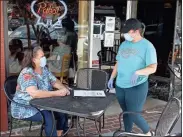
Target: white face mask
column 128, row 37
column 43, row 62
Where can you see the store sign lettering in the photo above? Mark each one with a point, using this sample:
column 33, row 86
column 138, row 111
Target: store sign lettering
column 46, row 10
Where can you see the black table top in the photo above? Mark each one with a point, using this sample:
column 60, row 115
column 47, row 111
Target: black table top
column 78, row 106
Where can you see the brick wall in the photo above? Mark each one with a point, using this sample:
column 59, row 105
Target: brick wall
column 3, row 108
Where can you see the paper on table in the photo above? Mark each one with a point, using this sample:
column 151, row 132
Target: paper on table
column 89, row 93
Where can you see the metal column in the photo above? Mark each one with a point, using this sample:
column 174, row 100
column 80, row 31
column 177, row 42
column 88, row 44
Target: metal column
column 172, row 84
column 90, row 34
column 131, row 10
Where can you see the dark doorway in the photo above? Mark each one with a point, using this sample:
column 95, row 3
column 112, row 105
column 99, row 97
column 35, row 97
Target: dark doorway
column 159, row 17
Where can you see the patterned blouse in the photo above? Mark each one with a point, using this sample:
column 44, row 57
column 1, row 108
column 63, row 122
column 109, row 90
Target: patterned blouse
column 26, row 79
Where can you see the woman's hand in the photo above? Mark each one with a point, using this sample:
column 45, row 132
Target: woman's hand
column 134, row 78
column 59, row 93
column 68, row 93
column 62, row 92
column 110, row 83
column 66, row 90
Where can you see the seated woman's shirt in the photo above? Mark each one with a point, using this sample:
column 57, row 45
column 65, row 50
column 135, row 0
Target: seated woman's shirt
column 26, row 79
column 58, row 52
column 14, row 65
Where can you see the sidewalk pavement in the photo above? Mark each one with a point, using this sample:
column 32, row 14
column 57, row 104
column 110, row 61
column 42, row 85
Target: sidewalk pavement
column 111, row 120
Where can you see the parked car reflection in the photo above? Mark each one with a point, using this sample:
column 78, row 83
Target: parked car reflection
column 21, row 33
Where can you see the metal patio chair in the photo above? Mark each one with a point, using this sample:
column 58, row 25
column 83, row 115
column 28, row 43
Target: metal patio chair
column 93, row 79
column 169, row 117
column 106, row 57
column 9, row 90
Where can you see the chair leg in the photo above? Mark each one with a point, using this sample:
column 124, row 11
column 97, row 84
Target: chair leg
column 30, row 126
column 73, row 121
column 103, row 120
column 100, row 126
column 41, row 130
column 11, row 122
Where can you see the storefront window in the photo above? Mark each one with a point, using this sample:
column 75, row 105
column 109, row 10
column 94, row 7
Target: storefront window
column 59, row 27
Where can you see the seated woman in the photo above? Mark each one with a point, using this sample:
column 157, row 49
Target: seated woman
column 15, row 57
column 59, row 50
column 36, row 81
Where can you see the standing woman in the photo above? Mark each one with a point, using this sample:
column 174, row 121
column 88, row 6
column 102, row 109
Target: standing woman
column 136, row 60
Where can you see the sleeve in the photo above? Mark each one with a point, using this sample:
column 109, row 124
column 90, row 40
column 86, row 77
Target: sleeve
column 151, row 56
column 27, row 80
column 51, row 77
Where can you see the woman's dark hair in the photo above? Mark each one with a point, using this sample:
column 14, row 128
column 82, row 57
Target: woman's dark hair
column 46, row 43
column 68, row 23
column 14, row 45
column 29, row 53
column 54, row 43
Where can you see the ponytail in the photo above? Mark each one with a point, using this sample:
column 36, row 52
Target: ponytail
column 143, row 27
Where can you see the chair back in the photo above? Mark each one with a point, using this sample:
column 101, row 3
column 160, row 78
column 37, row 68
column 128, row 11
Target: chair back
column 10, row 87
column 92, row 79
column 106, row 57
column 169, row 117
column 65, row 65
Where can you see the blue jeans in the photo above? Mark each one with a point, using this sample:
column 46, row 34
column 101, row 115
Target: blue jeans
column 133, row 99
column 62, row 121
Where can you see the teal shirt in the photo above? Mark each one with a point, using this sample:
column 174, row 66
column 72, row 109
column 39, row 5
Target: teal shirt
column 132, row 57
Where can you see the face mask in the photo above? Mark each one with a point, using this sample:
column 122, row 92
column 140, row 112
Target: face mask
column 43, row 62
column 128, row 37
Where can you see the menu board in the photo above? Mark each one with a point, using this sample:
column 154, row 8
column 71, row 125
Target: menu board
column 110, row 24
column 109, row 39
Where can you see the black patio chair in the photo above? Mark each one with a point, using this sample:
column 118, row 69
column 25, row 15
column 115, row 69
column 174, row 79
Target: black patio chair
column 93, row 79
column 168, row 119
column 9, row 90
column 106, row 57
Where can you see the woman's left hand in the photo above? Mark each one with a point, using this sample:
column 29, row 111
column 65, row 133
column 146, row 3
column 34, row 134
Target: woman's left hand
column 134, row 78
column 68, row 93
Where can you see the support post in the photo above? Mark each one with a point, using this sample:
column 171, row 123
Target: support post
column 90, row 34
column 3, row 108
column 131, row 10
column 82, row 50
column 172, row 84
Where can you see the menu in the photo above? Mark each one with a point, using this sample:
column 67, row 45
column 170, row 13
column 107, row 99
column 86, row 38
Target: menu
column 89, row 93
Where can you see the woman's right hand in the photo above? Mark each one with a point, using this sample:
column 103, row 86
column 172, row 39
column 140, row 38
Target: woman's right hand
column 61, row 92
column 110, row 83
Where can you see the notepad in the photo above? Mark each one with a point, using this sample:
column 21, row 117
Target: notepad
column 89, row 93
